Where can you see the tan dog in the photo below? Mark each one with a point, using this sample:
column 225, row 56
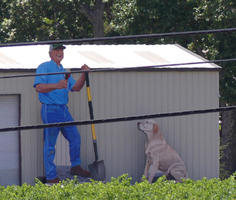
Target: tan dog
column 159, row 155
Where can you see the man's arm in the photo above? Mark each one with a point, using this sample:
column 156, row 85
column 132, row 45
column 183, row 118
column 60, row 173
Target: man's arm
column 80, row 82
column 44, row 88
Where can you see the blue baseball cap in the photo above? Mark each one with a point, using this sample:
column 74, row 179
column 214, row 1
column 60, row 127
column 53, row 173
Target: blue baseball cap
column 56, row 46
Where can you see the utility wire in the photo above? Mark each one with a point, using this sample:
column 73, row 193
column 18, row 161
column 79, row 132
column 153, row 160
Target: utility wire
column 122, row 69
column 87, row 40
column 121, row 119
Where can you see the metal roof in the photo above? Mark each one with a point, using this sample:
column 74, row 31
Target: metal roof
column 103, row 56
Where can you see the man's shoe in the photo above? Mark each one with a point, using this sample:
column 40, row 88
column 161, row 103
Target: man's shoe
column 77, row 170
column 55, row 180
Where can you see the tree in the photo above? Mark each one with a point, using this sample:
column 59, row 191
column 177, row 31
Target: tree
column 222, row 14
column 156, row 16
column 34, row 20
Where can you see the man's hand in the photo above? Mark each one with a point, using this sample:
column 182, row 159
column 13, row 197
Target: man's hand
column 85, row 67
column 62, row 84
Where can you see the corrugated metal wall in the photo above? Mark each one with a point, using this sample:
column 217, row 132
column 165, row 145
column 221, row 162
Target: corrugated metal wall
column 121, row 145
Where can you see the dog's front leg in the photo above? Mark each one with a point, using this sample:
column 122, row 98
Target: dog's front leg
column 147, row 165
column 152, row 171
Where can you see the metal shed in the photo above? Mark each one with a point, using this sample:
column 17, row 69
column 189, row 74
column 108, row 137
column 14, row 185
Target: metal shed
column 115, row 94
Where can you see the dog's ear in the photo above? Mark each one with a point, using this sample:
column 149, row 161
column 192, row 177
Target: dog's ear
column 155, row 128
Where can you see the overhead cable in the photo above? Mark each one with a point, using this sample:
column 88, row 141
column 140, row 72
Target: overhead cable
column 123, row 68
column 142, row 36
column 120, row 119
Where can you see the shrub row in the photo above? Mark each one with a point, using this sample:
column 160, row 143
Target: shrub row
column 121, row 188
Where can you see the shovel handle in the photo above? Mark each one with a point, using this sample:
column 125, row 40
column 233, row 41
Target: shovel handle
column 91, row 115
column 67, row 76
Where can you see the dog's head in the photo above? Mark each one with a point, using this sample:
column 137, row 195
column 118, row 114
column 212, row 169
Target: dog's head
column 149, row 127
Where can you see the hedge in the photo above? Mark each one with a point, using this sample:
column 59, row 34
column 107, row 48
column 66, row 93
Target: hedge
column 121, row 188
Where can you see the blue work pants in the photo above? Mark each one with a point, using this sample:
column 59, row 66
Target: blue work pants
column 54, row 114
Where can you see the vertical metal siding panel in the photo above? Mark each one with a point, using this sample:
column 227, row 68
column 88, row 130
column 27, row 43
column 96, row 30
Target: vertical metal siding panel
column 132, row 153
column 189, row 129
column 188, row 100
column 167, row 99
column 212, row 127
column 182, row 119
column 102, row 89
column 201, row 151
column 207, row 121
column 172, row 104
column 32, row 140
column 35, row 118
column 198, row 88
column 192, row 137
column 200, row 162
column 207, row 117
column 163, row 106
column 198, row 126
column 176, row 90
column 118, row 129
column 185, row 123
column 177, row 101
column 206, row 140
column 216, row 125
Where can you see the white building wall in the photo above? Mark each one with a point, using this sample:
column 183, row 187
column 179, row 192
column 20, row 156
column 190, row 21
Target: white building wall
column 121, row 145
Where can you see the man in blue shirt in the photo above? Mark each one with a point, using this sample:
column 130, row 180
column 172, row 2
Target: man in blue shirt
column 53, row 95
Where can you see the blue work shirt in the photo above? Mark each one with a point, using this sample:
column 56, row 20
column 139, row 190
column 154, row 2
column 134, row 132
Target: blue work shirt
column 57, row 96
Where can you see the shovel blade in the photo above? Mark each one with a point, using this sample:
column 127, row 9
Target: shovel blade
column 97, row 170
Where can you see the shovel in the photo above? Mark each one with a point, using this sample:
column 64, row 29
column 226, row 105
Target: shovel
column 97, row 168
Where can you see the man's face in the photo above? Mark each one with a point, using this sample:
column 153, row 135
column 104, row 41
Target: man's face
column 57, row 55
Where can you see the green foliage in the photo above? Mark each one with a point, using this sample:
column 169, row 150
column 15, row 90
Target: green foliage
column 219, row 14
column 121, row 188
column 119, row 15
column 157, row 16
column 33, row 20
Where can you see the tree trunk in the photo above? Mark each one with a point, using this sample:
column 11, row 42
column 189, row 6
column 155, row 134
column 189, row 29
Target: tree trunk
column 228, row 144
column 98, row 21
column 95, row 15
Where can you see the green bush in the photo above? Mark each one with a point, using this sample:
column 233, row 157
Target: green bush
column 121, row 188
